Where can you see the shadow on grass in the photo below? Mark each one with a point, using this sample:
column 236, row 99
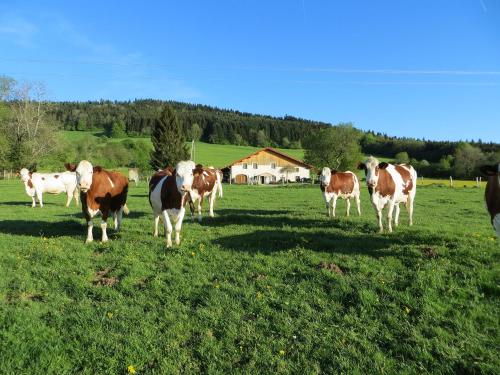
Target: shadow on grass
column 131, row 215
column 36, row 228
column 269, row 241
column 27, row 204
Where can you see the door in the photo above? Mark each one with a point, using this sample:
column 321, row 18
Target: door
column 240, row 179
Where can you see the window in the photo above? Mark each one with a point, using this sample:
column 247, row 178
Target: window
column 254, row 165
column 273, row 178
column 245, row 166
column 273, row 165
column 296, row 169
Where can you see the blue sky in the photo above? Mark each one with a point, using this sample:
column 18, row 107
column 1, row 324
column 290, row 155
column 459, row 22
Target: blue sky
column 420, row 68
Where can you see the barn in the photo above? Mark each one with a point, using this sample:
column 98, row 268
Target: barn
column 266, row 166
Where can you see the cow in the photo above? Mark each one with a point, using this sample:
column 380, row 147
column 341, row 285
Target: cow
column 168, row 194
column 133, row 175
column 53, row 183
column 389, row 185
column 492, row 194
column 207, row 182
column 336, row 184
column 101, row 192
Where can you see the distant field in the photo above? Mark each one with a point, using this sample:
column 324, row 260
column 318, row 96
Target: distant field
column 268, row 285
column 206, row 153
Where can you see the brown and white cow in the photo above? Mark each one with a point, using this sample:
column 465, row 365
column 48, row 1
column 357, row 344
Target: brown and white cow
column 389, row 185
column 336, row 184
column 207, row 182
column 36, row 184
column 101, row 192
column 168, row 194
column 492, row 194
column 133, row 175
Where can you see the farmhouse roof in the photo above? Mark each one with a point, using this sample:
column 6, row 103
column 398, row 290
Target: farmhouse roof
column 276, row 152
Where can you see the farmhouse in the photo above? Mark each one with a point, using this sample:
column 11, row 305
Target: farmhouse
column 266, row 166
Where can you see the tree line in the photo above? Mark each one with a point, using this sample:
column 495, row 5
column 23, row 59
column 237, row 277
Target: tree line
column 29, row 134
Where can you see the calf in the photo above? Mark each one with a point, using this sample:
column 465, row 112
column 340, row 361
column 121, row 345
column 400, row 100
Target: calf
column 492, row 194
column 390, row 185
column 207, row 182
column 53, row 183
column 168, row 194
column 336, row 184
column 103, row 192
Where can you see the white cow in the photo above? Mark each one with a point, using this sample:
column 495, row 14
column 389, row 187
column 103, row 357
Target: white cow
column 53, row 183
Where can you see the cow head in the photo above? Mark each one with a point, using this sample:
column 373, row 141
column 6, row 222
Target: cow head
column 325, row 177
column 371, row 166
column 25, row 175
column 84, row 172
column 184, row 175
column 491, row 171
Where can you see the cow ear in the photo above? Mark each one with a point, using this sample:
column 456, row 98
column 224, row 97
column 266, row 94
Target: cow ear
column 70, row 166
column 489, row 170
column 362, row 166
column 383, row 165
column 97, row 168
column 199, row 166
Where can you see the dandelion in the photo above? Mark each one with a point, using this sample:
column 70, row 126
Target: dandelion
column 131, row 369
column 259, row 295
column 407, row 309
column 110, row 315
column 193, row 253
column 282, row 352
column 202, row 246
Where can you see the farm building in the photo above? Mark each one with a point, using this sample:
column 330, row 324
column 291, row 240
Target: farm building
column 266, row 166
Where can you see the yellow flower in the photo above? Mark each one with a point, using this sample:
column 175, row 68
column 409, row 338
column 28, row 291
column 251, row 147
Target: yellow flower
column 193, row 254
column 282, row 352
column 131, row 369
column 407, row 310
column 110, row 315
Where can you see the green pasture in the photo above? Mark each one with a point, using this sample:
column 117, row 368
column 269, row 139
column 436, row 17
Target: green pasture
column 270, row 285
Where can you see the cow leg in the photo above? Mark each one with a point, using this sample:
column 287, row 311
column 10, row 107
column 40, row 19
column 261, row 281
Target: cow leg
column 396, row 216
column 390, row 210
column 90, row 226
column 39, row 196
column 191, row 208
column 156, row 221
column 104, row 226
column 168, row 228
column 200, row 202
column 211, row 201
column 68, row 198
column 118, row 219
column 358, row 204
column 334, row 205
column 348, row 206
column 379, row 218
column 178, row 226
column 76, row 195
column 33, row 204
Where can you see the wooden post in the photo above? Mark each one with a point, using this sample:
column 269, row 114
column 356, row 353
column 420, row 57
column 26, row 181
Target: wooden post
column 451, row 181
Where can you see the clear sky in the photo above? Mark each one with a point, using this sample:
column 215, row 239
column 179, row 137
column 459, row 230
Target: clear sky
column 420, row 68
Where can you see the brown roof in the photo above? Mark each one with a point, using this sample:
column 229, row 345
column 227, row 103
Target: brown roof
column 276, row 152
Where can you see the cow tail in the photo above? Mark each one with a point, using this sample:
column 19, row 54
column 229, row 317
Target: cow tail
column 126, row 211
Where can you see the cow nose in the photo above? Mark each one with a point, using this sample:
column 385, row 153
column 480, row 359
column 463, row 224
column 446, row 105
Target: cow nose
column 370, row 183
column 185, row 187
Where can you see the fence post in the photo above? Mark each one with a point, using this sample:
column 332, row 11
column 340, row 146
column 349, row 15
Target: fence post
column 451, row 181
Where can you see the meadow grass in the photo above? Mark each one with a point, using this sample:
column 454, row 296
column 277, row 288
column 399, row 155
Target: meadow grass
column 270, row 285
column 216, row 155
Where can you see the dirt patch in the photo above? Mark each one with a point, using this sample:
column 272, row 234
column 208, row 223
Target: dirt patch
column 429, row 252
column 101, row 278
column 332, row 267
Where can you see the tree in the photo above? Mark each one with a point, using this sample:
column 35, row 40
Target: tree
column 402, row 158
column 196, row 132
column 29, row 132
column 168, row 140
column 467, row 160
column 336, row 147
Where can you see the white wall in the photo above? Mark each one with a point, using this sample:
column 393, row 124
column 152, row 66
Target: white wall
column 250, row 172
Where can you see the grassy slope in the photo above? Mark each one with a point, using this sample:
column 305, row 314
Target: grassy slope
column 206, row 153
column 243, row 292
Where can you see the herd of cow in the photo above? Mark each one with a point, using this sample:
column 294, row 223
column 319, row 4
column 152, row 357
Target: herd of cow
column 170, row 190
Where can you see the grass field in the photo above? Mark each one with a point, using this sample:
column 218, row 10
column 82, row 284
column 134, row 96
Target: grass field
column 254, row 290
column 207, row 153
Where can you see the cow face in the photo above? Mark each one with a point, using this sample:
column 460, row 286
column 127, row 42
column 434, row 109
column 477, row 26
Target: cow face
column 84, row 173
column 184, row 175
column 371, row 167
column 491, row 171
column 25, row 175
column 325, row 177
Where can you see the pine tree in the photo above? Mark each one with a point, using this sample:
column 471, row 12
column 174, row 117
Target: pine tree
column 168, row 141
